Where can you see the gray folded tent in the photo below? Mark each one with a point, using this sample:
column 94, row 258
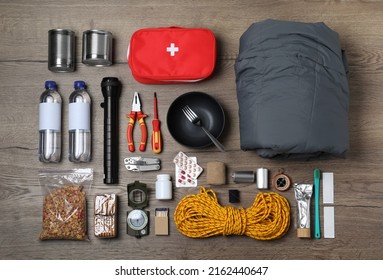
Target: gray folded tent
column 292, row 90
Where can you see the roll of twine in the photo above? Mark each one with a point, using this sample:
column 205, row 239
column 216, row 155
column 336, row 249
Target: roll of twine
column 200, row 215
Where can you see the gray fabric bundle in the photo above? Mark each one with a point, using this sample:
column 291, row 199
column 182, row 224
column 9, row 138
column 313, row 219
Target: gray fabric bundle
column 292, row 90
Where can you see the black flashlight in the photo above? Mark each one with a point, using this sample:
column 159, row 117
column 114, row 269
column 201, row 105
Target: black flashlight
column 111, row 90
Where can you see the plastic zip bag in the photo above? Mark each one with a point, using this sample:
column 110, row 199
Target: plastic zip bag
column 64, row 205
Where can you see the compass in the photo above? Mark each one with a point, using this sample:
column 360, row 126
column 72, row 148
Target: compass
column 137, row 220
column 281, row 181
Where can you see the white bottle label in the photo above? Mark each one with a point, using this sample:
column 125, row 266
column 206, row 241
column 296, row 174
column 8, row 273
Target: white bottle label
column 50, row 116
column 79, row 116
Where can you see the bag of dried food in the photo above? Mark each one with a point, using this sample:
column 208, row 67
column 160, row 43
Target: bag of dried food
column 64, row 206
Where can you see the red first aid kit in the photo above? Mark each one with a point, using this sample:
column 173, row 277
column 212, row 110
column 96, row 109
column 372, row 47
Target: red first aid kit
column 172, row 55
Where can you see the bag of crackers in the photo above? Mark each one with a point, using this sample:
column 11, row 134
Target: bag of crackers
column 64, row 204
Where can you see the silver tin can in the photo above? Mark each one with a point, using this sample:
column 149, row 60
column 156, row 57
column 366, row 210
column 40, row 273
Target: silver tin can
column 243, row 177
column 61, row 50
column 97, row 48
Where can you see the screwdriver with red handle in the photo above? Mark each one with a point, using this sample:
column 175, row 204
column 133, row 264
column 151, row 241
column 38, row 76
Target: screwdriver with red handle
column 156, row 134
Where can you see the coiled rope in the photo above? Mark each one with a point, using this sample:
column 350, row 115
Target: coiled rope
column 200, row 215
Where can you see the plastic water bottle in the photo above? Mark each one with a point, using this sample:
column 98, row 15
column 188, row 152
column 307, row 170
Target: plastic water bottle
column 50, row 124
column 79, row 124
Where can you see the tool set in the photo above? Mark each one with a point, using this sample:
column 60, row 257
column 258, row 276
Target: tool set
column 194, row 119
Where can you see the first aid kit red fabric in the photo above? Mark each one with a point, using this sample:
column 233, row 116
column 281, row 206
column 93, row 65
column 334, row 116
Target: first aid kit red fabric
column 172, row 55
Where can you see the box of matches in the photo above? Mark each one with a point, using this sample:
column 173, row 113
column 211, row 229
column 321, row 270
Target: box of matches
column 161, row 221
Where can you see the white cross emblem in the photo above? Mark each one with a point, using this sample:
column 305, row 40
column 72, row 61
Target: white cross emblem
column 172, row 49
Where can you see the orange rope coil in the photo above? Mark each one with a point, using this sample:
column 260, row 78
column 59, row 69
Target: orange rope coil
column 200, row 215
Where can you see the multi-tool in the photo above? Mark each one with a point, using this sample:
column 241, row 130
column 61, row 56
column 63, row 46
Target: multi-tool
column 142, row 164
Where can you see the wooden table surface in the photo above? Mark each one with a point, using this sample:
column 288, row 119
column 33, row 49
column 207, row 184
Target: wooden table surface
column 23, row 70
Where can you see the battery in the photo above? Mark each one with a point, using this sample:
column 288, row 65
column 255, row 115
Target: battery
column 243, row 176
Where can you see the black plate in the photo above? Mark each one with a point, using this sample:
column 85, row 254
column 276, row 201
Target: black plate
column 209, row 111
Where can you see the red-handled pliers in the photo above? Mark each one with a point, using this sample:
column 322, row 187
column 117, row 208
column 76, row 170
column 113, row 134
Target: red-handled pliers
column 136, row 112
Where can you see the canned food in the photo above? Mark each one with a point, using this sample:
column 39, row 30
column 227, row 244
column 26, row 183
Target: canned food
column 97, row 48
column 61, row 50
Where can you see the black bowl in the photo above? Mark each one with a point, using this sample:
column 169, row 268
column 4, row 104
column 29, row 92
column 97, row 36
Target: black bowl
column 207, row 108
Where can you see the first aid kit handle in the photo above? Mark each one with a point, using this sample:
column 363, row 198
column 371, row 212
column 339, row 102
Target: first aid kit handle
column 175, row 27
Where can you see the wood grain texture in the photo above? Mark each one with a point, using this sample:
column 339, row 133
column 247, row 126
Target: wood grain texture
column 24, row 27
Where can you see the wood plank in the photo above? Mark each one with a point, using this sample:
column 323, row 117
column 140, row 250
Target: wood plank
column 23, row 70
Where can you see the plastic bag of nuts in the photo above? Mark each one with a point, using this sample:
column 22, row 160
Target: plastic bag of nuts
column 64, row 205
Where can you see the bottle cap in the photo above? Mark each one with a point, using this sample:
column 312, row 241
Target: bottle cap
column 304, row 232
column 79, row 85
column 50, row 85
column 163, row 176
